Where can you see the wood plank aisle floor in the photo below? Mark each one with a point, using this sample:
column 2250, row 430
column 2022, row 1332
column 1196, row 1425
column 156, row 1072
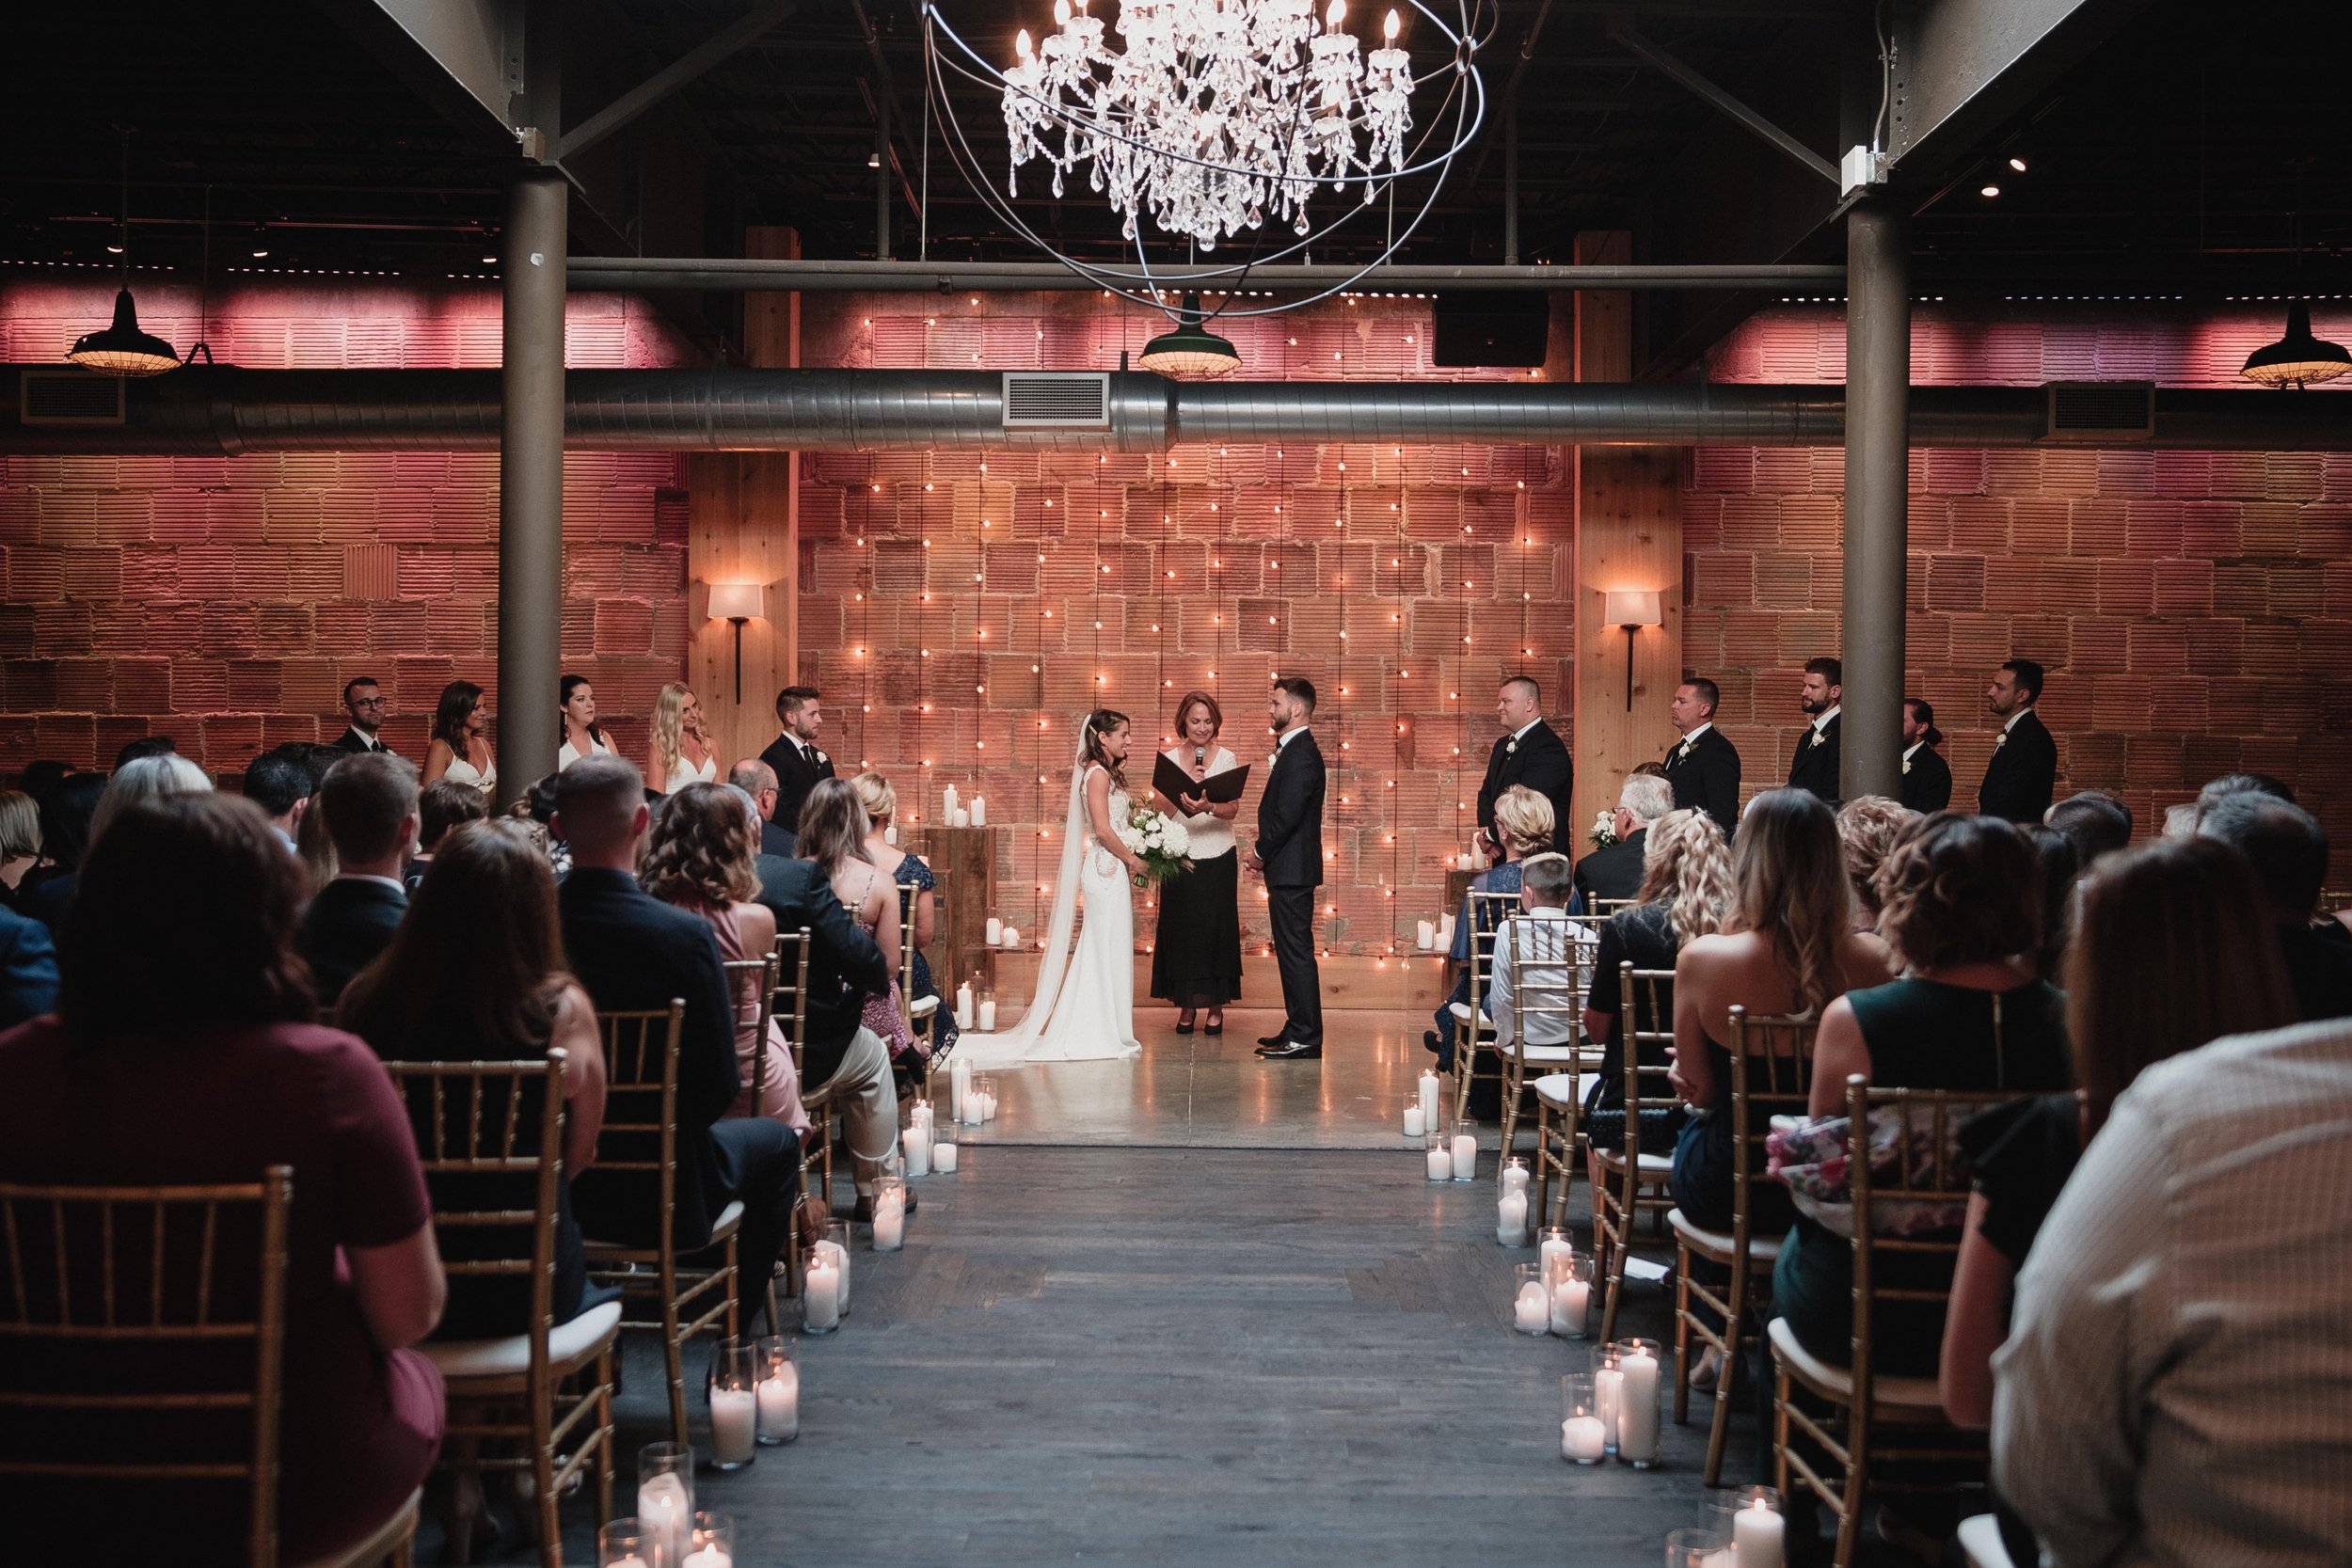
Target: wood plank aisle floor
column 1183, row 1355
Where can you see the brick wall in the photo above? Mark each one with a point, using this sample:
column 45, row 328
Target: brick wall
column 2194, row 609
column 224, row 601
column 1403, row 582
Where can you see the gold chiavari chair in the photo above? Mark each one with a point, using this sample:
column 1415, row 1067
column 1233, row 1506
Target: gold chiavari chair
column 172, row 1279
column 787, row 1009
column 1772, row 1074
column 1539, row 955
column 1473, row 1028
column 640, row 1142
column 919, row 1011
column 491, row 1136
column 1876, row 1423
column 1630, row 1180
column 1604, row 908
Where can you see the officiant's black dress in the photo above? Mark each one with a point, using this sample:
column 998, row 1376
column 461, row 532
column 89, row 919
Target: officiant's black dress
column 1196, row 952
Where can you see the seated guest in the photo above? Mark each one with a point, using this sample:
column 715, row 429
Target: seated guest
column 20, row 842
column 476, row 974
column 144, row 778
column 182, row 1052
column 1869, row 827
column 28, row 969
column 908, row 870
column 2172, row 1389
column 757, row 780
column 2097, row 822
column 1523, row 825
column 1614, row 871
column 1685, row 894
column 2060, row 871
column 144, row 746
column 698, row 858
column 40, row 777
column 2288, row 850
column 441, row 807
column 281, row 784
column 1534, row 957
column 633, row 953
column 66, row 815
column 369, row 805
column 2227, row 785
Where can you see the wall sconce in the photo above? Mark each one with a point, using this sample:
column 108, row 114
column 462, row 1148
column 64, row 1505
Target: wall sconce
column 737, row 602
column 1632, row 608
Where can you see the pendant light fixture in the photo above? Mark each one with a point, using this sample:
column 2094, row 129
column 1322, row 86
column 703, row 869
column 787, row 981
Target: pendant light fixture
column 121, row 348
column 1192, row 349
column 2298, row 359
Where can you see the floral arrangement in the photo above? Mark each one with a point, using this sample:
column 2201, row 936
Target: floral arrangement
column 1604, row 831
column 1163, row 844
column 1814, row 1159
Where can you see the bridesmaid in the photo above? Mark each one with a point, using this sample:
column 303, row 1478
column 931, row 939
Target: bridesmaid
column 1195, row 956
column 461, row 750
column 681, row 753
column 582, row 736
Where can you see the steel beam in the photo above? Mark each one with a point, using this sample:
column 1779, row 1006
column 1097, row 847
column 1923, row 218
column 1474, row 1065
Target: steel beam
column 1962, row 67
column 1877, row 530
column 663, row 83
column 531, row 479
column 1632, row 39
column 722, row 273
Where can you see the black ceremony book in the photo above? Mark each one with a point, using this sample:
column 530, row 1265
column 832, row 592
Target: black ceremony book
column 1174, row 782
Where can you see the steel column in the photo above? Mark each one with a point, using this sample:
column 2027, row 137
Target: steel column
column 1878, row 443
column 531, row 481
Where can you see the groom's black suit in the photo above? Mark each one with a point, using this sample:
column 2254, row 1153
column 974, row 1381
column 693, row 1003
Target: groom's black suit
column 1290, row 843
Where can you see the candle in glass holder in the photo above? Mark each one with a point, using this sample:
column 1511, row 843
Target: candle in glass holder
column 1426, row 934
column 1608, row 1395
column 1637, row 1403
column 836, row 1243
column 734, row 1407
column 1441, row 1156
column 987, row 1090
column 890, row 1214
column 1511, row 1219
column 1428, row 1087
column 987, row 1015
column 821, row 1296
column 1759, row 1533
column 995, row 932
column 711, row 1543
column 1584, row 1437
column 944, row 1159
column 624, row 1543
column 959, row 819
column 1414, row 1126
column 665, row 1499
column 958, row 1085
column 963, row 1005
column 1555, row 1242
column 1466, row 861
column 917, row 1141
column 979, row 811
column 1013, row 937
column 1514, row 1178
column 1571, row 1306
column 947, row 807
column 1529, row 1313
column 1464, row 1157
column 890, row 835
column 778, row 1392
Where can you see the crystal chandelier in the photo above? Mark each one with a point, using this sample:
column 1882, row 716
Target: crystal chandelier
column 1208, row 119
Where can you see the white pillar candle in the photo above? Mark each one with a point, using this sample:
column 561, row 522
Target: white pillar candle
column 1445, row 932
column 1013, row 937
column 1757, row 1534
column 1514, row 1178
column 1607, row 1393
column 1571, row 1300
column 979, row 811
column 995, row 932
column 821, row 1295
column 733, row 1421
column 1637, row 1409
column 1467, row 862
column 959, row 819
column 958, row 1085
column 988, row 1107
column 1413, row 1123
column 890, row 1225
column 1528, row 1313
column 1440, row 1162
column 948, row 809
column 708, row 1557
column 1425, row 933
column 780, row 1404
column 963, row 1005
column 1429, row 1098
column 1583, row 1439
column 890, row 835
column 918, row 1147
column 1555, row 1244
column 840, row 1255
column 1511, row 1223
column 944, row 1159
column 987, row 1015
column 668, row 1516
column 1465, row 1156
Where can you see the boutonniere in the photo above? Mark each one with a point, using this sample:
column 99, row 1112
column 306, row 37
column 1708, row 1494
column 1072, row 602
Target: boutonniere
column 1683, row 751
column 1906, row 765
column 1821, row 736
column 1511, row 747
column 822, row 758
column 2000, row 740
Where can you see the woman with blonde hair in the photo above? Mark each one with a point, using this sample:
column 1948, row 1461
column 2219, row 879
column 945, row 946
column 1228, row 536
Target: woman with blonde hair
column 681, row 752
column 1868, row 828
column 697, row 856
column 20, row 841
column 1523, row 825
column 906, row 869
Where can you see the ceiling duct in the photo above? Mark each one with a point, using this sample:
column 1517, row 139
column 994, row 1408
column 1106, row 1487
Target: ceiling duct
column 1058, row 400
column 69, row 398
column 2100, row 413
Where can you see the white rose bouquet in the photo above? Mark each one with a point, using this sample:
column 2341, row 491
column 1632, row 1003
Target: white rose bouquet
column 1161, row 842
column 1604, row 831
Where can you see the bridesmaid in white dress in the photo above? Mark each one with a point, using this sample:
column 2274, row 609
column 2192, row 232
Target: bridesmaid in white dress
column 681, row 753
column 460, row 751
column 1085, row 1008
column 582, row 736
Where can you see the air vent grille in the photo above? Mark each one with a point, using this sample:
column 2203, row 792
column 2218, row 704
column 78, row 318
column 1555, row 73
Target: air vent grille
column 2100, row 411
column 1064, row 400
column 69, row 397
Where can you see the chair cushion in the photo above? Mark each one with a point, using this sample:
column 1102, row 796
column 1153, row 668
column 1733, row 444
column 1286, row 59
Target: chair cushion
column 1461, row 1014
column 1560, row 1088
column 510, row 1357
column 1717, row 1243
column 1981, row 1541
column 923, row 1006
column 1914, row 1397
column 730, row 1220
column 1549, row 1053
column 1654, row 1166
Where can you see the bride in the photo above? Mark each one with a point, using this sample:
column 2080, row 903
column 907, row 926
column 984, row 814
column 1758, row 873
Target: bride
column 1086, row 997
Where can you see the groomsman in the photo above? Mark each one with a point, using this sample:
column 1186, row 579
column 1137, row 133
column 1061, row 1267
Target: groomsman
column 1815, row 766
column 794, row 754
column 1705, row 767
column 363, row 700
column 2023, row 775
column 1530, row 753
column 1927, row 777
column 1289, row 854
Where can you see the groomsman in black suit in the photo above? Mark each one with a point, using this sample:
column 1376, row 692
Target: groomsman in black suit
column 2023, row 775
column 1815, row 766
column 794, row 754
column 363, row 700
column 1927, row 777
column 1531, row 754
column 1289, row 853
column 1704, row 767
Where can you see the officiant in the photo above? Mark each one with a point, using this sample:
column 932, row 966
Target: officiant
column 1195, row 955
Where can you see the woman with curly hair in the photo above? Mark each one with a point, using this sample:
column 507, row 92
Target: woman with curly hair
column 681, row 753
column 697, row 856
column 833, row 830
column 1868, row 828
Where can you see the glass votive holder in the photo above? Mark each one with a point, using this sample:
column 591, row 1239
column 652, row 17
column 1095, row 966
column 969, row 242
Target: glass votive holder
column 823, row 1284
column 1551, row 1242
column 986, row 1088
column 1638, row 1365
column 1516, row 1177
column 837, row 1242
column 1752, row 1519
column 1568, row 1278
column 1415, row 1124
column 665, row 1499
column 1438, row 1149
column 1698, row 1546
column 943, row 1147
column 1511, row 1227
column 711, row 1542
column 1528, row 1312
column 890, row 1214
column 1465, row 1152
column 734, row 1405
column 778, row 1391
column 1584, row 1435
column 1607, row 1390
column 624, row 1543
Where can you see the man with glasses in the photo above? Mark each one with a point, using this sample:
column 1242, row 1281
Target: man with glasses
column 364, row 700
column 757, row 780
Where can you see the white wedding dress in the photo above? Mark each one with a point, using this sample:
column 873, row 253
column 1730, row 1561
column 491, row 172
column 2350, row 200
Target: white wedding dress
column 1085, row 1008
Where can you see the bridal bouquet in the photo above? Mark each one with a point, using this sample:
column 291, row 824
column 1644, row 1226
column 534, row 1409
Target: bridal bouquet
column 1163, row 844
column 1604, row 831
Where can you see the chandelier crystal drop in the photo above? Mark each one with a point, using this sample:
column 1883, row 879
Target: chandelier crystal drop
column 1214, row 115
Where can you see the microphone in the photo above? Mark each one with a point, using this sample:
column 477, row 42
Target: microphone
column 1200, row 756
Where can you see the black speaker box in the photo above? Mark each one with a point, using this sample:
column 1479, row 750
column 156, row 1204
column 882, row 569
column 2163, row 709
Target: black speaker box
column 1496, row 327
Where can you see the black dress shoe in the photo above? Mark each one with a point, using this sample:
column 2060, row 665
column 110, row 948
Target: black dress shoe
column 1278, row 1037
column 1292, row 1052
column 1431, row 1043
column 1212, row 1030
column 1184, row 1028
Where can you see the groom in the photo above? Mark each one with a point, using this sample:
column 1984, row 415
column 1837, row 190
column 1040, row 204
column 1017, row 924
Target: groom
column 1289, row 853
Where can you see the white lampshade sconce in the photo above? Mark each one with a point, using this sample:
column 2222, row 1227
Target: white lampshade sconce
column 1632, row 608
column 737, row 603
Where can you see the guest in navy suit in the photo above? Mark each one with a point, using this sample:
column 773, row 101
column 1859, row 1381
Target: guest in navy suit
column 369, row 803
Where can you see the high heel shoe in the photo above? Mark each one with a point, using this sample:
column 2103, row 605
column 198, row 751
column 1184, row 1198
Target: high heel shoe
column 1184, row 1022
column 1215, row 1024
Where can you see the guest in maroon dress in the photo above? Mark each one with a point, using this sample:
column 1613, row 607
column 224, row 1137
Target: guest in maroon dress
column 182, row 1052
